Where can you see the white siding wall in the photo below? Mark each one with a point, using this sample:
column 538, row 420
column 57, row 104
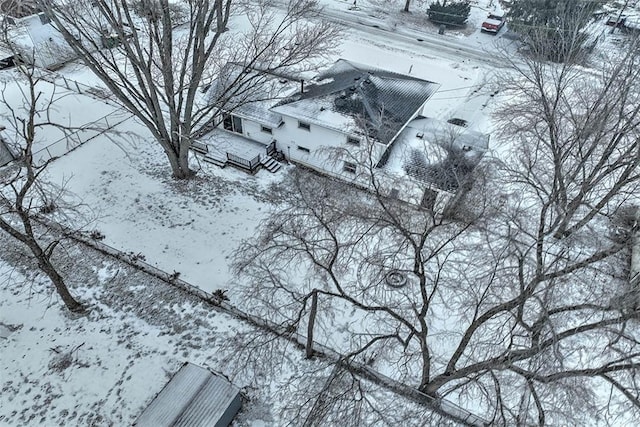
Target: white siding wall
column 318, row 140
column 290, row 137
column 252, row 130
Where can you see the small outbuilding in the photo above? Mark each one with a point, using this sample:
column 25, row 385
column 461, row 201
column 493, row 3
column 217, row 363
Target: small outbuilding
column 194, row 397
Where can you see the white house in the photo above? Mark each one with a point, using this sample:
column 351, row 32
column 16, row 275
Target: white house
column 31, row 35
column 331, row 122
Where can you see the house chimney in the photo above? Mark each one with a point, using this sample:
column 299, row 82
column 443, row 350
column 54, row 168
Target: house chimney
column 301, row 85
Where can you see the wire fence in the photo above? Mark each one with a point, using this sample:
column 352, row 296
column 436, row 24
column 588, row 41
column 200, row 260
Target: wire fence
column 60, row 80
column 74, row 139
column 78, row 137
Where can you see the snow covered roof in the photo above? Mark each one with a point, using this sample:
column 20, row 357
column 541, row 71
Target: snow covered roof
column 371, row 100
column 250, row 92
column 260, row 112
column 19, row 8
column 347, row 97
column 436, row 152
column 194, row 397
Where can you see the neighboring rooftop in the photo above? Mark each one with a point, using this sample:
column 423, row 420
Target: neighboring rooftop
column 18, row 8
column 194, row 397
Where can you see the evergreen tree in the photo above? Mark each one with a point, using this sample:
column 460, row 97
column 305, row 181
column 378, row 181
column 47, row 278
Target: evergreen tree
column 449, row 13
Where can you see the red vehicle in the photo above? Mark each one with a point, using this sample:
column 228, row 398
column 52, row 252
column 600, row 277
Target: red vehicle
column 493, row 23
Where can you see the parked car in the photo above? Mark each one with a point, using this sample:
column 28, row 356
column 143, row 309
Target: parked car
column 493, row 23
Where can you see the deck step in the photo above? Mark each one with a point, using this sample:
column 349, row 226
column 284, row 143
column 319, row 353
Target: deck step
column 271, row 165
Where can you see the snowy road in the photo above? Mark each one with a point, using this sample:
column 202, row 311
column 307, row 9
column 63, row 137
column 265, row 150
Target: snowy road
column 419, row 41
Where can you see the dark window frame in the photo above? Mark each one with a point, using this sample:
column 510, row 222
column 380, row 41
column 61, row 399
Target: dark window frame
column 304, row 125
column 232, row 123
column 349, row 167
column 352, row 140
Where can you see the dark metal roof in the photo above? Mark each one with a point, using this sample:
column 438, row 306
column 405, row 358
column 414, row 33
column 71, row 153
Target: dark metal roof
column 382, row 102
column 194, row 397
column 438, row 153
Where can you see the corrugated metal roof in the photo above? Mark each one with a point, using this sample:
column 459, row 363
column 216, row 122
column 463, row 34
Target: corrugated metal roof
column 259, row 112
column 194, row 397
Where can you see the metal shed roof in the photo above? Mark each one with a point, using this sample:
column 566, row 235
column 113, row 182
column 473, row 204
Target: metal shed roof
column 194, row 397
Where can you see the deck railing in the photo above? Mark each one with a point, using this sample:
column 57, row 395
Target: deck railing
column 250, row 165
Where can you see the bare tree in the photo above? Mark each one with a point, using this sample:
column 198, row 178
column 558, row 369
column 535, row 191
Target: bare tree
column 578, row 134
column 553, row 30
column 161, row 59
column 25, row 195
column 493, row 309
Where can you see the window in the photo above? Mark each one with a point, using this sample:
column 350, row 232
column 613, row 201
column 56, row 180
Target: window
column 232, row 123
column 265, row 129
column 353, row 141
column 429, row 199
column 458, row 122
column 303, row 125
column 349, row 167
column 305, row 149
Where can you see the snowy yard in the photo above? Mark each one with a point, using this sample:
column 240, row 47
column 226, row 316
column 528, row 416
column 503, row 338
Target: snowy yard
column 105, row 367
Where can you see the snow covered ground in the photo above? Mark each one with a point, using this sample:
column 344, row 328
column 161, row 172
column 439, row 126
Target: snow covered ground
column 83, row 116
column 104, row 368
column 140, row 331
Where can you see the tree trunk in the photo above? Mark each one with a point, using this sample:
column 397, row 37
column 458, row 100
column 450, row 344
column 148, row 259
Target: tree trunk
column 61, row 287
column 220, row 21
column 312, row 322
column 180, row 162
column 406, row 5
column 425, row 376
